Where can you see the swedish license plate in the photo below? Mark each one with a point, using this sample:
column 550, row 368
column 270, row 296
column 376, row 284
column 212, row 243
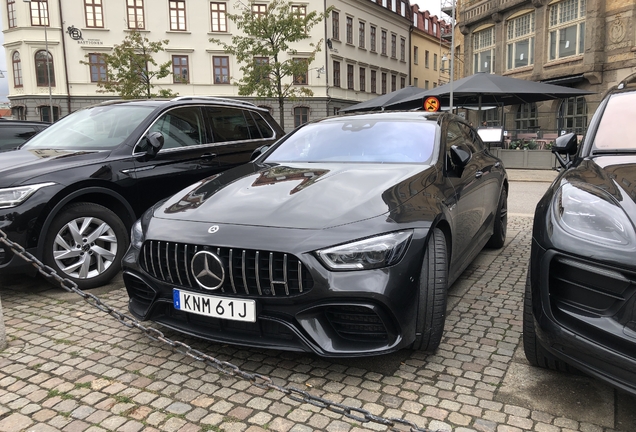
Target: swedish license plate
column 213, row 306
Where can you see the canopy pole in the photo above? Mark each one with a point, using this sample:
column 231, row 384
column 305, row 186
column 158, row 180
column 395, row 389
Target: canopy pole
column 452, row 64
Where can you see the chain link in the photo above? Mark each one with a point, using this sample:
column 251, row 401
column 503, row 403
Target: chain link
column 264, row 382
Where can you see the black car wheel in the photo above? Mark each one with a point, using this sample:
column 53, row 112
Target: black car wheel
column 86, row 243
column 535, row 353
column 431, row 313
column 498, row 237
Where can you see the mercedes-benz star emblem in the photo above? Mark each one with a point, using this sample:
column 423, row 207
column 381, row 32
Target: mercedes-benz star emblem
column 213, row 229
column 208, row 270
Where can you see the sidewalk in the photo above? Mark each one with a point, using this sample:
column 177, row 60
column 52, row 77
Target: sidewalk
column 72, row 368
column 528, row 175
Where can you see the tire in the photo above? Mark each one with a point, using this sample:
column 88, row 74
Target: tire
column 498, row 237
column 92, row 256
column 535, row 353
column 431, row 311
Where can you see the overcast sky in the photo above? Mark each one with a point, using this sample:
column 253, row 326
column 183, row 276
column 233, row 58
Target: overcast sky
column 433, row 6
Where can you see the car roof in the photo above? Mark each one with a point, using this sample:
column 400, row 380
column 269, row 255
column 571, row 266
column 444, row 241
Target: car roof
column 387, row 115
column 184, row 100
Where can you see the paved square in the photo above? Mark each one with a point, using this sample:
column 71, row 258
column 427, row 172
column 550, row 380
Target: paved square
column 71, row 367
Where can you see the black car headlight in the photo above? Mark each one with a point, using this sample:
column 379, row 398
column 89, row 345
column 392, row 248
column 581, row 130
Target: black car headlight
column 12, row 197
column 592, row 215
column 370, row 253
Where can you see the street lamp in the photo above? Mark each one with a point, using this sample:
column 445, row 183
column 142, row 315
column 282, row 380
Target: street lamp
column 48, row 54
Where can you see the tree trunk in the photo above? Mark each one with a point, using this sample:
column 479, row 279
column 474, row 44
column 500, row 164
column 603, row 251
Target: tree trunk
column 281, row 109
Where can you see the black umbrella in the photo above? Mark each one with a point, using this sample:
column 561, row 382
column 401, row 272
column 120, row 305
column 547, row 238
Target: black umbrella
column 379, row 102
column 489, row 89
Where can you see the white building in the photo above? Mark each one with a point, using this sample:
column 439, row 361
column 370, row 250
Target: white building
column 364, row 51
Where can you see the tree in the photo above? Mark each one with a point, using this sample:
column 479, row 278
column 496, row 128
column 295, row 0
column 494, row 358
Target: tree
column 269, row 68
column 128, row 68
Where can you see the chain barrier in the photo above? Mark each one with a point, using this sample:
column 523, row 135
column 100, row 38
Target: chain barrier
column 261, row 381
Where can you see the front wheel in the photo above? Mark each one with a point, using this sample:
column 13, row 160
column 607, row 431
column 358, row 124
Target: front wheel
column 85, row 244
column 431, row 312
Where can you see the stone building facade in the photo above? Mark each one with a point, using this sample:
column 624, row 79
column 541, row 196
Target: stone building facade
column 429, row 53
column 368, row 40
column 585, row 44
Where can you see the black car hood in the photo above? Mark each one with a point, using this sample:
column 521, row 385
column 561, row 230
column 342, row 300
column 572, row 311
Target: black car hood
column 19, row 166
column 305, row 196
column 614, row 174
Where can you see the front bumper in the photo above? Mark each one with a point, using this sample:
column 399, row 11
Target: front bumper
column 349, row 313
column 585, row 314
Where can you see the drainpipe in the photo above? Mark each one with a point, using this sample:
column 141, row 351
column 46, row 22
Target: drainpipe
column 68, row 86
column 326, row 57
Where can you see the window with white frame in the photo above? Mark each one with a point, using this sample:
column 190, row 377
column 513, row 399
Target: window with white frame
column 526, row 117
column 373, row 32
column 349, row 30
column 566, row 29
column 361, row 34
column 520, row 45
column 335, row 25
column 484, row 50
column 94, row 13
column 177, row 15
column 17, row 69
column 573, row 115
column 135, row 13
column 11, row 13
column 218, row 13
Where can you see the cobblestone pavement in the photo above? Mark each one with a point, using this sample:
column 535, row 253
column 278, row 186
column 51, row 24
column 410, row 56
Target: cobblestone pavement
column 70, row 367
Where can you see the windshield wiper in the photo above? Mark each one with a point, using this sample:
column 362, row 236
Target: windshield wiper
column 614, row 152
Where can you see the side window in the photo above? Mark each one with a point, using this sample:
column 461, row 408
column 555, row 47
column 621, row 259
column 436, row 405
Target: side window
column 181, row 127
column 472, row 139
column 255, row 133
column 228, row 124
column 263, row 126
column 454, row 136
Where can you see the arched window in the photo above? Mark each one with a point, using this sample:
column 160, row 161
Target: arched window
column 45, row 74
column 573, row 115
column 526, row 117
column 17, row 70
column 301, row 115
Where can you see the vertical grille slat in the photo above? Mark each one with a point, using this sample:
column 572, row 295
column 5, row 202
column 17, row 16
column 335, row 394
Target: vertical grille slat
column 248, row 272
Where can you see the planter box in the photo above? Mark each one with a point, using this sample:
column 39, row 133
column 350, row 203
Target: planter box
column 528, row 159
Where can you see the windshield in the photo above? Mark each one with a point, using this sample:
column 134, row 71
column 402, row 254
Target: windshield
column 359, row 140
column 617, row 128
column 97, row 128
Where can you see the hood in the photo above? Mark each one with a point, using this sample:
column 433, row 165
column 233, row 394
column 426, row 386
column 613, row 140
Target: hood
column 305, row 196
column 19, row 166
column 614, row 174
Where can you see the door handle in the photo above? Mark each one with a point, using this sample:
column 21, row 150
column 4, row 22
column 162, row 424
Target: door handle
column 498, row 164
column 478, row 174
column 208, row 155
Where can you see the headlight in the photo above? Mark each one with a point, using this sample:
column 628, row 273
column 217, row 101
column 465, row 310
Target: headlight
column 591, row 214
column 11, row 197
column 371, row 253
column 136, row 235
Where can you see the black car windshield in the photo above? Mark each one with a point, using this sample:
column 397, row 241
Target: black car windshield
column 617, row 128
column 96, row 128
column 359, row 140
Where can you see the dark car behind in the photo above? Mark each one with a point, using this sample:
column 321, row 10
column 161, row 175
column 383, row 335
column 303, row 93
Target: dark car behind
column 15, row 132
column 71, row 194
column 580, row 300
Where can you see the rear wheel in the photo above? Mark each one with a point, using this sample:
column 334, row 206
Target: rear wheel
column 535, row 353
column 85, row 244
column 498, row 237
column 431, row 312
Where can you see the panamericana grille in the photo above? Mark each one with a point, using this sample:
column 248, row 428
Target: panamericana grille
column 247, row 272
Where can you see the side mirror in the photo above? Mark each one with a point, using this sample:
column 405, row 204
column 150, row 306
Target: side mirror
column 155, row 142
column 460, row 156
column 565, row 145
column 259, row 151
